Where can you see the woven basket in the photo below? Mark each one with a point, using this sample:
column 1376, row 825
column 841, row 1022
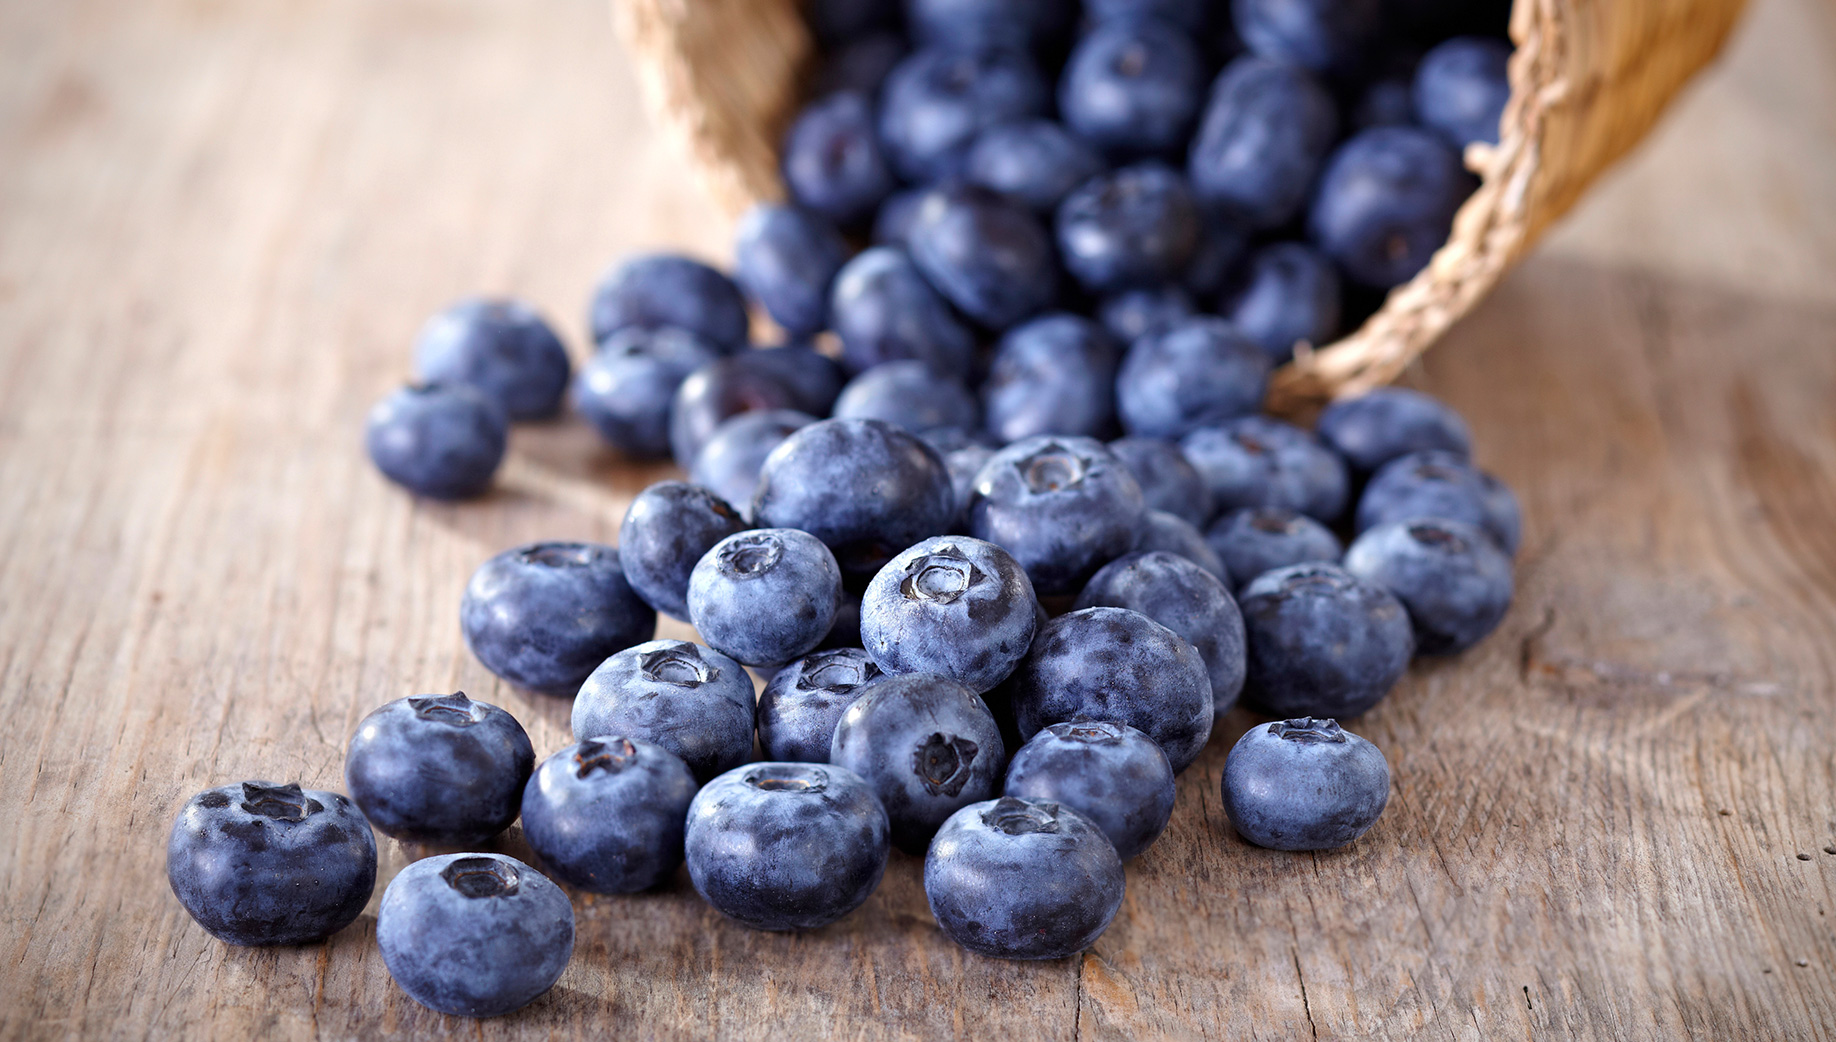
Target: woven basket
column 1588, row 79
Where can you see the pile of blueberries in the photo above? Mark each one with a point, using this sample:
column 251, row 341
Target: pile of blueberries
column 992, row 625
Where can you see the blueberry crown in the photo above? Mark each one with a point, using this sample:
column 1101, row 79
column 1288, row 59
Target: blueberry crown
column 942, row 763
column 789, row 777
column 1091, row 731
column 1018, row 817
column 280, row 802
column 748, row 556
column 1272, row 521
column 558, row 555
column 836, row 671
column 680, row 664
column 1437, row 536
column 1308, row 729
column 1054, row 468
column 610, row 755
column 454, row 709
column 481, row 877
column 1312, row 579
column 942, row 576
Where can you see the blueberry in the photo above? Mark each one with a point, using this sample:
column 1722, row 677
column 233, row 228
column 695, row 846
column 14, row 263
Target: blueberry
column 813, row 378
column 832, row 158
column 728, row 463
column 502, row 348
column 666, row 530
column 1386, row 202
column 1262, row 539
column 1461, row 88
column 1063, row 507
column 543, row 615
column 766, row 596
column 1110, row 773
column 1441, row 485
column 1322, row 641
column 1382, row 424
column 1287, row 294
column 1133, row 87
column 1170, row 533
column 626, row 388
column 663, row 289
column 1023, row 879
column 909, row 394
column 864, row 487
column 1186, row 599
column 926, row 745
column 1304, row 784
column 785, row 258
column 718, row 392
column 838, row 21
column 1035, row 161
column 801, row 705
column 1135, row 313
column 1255, row 461
column 474, row 935
column 989, row 257
column 860, row 65
column 1198, row 373
column 951, row 606
column 1118, row 665
column 1322, row 35
column 892, row 226
column 438, row 769
column 606, row 814
column 1137, row 226
column 935, row 102
column 1053, row 375
column 1017, row 24
column 1452, row 578
column 443, row 441
column 786, row 846
column 1267, row 128
column 692, row 701
column 1168, row 480
column 884, row 310
column 265, row 864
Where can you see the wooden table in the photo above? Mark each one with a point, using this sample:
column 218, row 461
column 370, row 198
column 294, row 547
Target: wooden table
column 220, row 225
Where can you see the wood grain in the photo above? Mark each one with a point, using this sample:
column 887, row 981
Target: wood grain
column 222, row 224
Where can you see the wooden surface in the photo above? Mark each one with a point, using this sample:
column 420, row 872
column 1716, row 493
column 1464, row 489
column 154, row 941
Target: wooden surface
column 219, row 227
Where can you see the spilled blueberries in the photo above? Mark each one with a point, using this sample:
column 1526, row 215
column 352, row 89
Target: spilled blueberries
column 997, row 526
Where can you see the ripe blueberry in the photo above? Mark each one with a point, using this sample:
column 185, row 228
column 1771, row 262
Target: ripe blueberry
column 926, row 745
column 439, row 769
column 1023, row 879
column 692, row 701
column 786, row 846
column 265, row 864
column 606, row 814
column 1304, row 784
column 542, row 616
column 474, row 935
column 1110, row 773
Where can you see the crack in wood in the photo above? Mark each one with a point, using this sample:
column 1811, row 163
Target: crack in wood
column 1306, row 1006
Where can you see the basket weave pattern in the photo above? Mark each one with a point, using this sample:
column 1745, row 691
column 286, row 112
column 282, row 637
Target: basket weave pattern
column 1588, row 79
